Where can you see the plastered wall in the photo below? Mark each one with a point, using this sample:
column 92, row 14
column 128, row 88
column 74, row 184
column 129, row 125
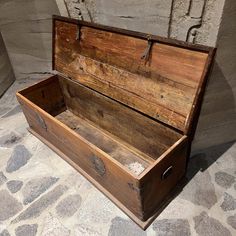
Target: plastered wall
column 189, row 20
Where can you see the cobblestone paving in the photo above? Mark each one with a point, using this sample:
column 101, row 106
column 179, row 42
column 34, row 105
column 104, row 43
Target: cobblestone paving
column 40, row 194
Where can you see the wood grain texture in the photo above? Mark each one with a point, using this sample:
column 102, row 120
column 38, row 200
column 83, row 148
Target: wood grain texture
column 195, row 112
column 155, row 96
column 105, row 142
column 164, row 88
column 81, row 153
column 154, row 188
column 143, row 133
column 137, row 34
column 99, row 154
column 142, row 224
column 50, row 100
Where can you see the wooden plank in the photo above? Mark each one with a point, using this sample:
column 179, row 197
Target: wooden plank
column 177, row 64
column 145, row 134
column 154, row 187
column 168, row 83
column 106, row 143
column 51, row 100
column 192, row 119
column 142, row 224
column 156, row 97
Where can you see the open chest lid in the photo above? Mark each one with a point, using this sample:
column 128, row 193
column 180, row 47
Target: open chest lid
column 159, row 77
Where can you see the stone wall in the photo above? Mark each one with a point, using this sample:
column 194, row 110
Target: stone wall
column 208, row 22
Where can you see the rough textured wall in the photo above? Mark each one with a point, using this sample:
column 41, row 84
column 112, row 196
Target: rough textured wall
column 196, row 21
column 189, row 20
column 145, row 16
column 26, row 28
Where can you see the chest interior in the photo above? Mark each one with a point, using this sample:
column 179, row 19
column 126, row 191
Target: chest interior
column 130, row 95
column 126, row 135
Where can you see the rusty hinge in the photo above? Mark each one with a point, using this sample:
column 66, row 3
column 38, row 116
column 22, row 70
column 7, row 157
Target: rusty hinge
column 78, row 33
column 146, row 55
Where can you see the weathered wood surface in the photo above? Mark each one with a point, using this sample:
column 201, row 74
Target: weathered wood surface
column 47, row 96
column 164, row 88
column 105, row 142
column 142, row 224
column 154, row 188
column 89, row 149
column 116, row 178
column 143, row 133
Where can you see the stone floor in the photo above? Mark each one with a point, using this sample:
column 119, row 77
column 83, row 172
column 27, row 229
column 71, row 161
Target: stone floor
column 40, row 194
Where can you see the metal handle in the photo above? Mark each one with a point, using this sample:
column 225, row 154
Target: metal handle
column 167, row 172
column 98, row 165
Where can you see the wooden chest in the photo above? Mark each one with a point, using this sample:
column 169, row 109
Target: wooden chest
column 122, row 110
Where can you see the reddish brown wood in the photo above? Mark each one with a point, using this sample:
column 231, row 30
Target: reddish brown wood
column 82, row 153
column 196, row 107
column 52, row 100
column 110, row 62
column 142, row 224
column 90, row 149
column 168, row 41
column 154, row 188
column 103, row 141
column 158, row 98
column 144, row 134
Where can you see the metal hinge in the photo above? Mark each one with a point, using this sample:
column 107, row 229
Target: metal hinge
column 78, row 33
column 146, row 55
